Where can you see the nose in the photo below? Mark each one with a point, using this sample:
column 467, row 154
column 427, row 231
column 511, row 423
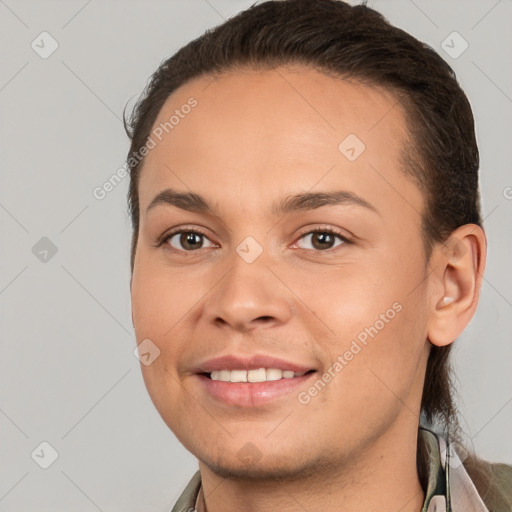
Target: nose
column 248, row 296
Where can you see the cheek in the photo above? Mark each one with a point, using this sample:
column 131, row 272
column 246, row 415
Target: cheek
column 163, row 312
column 374, row 381
column 157, row 301
column 157, row 310
column 348, row 300
column 378, row 329
column 386, row 371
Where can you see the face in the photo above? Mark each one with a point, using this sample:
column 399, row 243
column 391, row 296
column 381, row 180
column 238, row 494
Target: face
column 306, row 248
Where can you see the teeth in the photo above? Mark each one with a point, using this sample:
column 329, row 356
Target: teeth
column 238, row 376
column 274, row 374
column 259, row 375
column 223, row 375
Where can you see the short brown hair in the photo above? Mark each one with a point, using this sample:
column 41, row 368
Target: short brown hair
column 353, row 42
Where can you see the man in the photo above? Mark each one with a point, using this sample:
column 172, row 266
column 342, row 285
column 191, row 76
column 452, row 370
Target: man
column 307, row 246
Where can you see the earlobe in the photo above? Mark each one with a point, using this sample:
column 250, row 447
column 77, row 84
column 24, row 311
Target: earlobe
column 456, row 280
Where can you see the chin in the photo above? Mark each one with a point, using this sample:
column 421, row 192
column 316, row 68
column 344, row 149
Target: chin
column 271, row 467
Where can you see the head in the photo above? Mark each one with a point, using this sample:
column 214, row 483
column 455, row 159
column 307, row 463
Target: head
column 290, row 98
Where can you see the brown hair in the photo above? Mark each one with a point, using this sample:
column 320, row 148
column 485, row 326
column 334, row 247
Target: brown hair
column 353, row 42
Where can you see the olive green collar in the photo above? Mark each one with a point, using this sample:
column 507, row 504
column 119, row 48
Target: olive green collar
column 435, row 495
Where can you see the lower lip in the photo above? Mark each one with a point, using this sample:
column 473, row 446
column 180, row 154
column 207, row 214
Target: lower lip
column 251, row 394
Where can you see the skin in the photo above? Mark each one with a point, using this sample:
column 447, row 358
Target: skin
column 253, row 138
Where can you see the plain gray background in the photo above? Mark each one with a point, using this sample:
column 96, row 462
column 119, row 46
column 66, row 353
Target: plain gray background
column 67, row 369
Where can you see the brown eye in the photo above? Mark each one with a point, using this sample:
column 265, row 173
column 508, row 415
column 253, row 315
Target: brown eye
column 188, row 240
column 324, row 240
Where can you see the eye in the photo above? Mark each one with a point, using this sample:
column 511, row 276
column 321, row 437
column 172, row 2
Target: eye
column 323, row 239
column 188, row 239
column 191, row 239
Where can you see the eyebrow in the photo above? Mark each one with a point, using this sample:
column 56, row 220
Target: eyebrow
column 193, row 202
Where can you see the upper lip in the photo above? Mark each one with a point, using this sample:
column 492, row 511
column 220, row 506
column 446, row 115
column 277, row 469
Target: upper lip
column 233, row 362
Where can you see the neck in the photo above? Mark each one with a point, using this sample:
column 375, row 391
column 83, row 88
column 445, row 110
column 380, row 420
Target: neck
column 384, row 478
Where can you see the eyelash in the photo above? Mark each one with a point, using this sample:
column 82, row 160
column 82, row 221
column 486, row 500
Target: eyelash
column 346, row 241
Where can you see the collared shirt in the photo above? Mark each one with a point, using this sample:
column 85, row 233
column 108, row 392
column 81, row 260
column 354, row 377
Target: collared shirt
column 449, row 487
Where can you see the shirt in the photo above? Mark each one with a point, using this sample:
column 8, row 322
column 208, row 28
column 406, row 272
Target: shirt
column 449, row 487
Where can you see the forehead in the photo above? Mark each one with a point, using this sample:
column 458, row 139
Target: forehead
column 259, row 132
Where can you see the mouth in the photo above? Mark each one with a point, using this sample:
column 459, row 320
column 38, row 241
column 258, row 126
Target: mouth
column 245, row 380
column 252, row 388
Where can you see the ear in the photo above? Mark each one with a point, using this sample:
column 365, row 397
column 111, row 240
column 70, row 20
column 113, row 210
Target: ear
column 458, row 267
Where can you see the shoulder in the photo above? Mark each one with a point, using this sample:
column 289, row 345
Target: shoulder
column 502, row 479
column 493, row 482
